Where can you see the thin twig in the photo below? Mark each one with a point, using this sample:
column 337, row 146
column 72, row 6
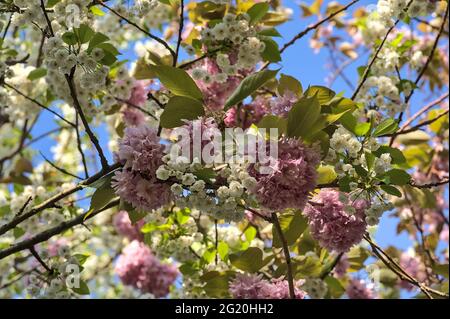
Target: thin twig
column 164, row 43
column 180, row 32
column 38, row 104
column 49, row 233
column 427, row 63
column 287, row 255
column 76, row 102
column 39, row 259
column 400, row 272
column 62, row 170
column 80, row 148
column 375, row 56
column 50, row 202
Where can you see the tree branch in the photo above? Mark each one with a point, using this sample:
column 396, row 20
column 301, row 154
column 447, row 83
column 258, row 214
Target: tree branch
column 161, row 41
column 49, row 233
column 50, row 202
column 92, row 137
column 287, row 256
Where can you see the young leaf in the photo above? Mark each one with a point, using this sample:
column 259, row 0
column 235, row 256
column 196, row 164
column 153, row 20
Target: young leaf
column 248, row 260
column 37, row 73
column 392, row 190
column 102, row 196
column 83, row 288
column 388, row 126
column 270, row 32
column 177, row 81
column 397, row 177
column 96, row 39
column 326, row 174
column 293, row 225
column 289, row 83
column 70, row 38
column 84, row 33
column 271, row 51
column 322, row 93
column 303, row 116
column 181, row 108
column 258, row 11
column 249, row 85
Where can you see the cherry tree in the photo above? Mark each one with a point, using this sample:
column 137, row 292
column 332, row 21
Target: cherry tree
column 186, row 162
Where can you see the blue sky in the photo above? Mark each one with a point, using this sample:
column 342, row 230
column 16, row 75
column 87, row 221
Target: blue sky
column 299, row 61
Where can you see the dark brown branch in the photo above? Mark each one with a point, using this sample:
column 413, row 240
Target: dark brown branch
column 287, row 255
column 164, row 43
column 92, row 137
column 425, row 67
column 60, row 169
column 330, row 268
column 49, row 233
column 200, row 58
column 137, row 107
column 315, row 26
column 79, row 147
column 39, row 259
column 180, row 31
column 50, row 202
column 375, row 56
column 38, row 104
column 400, row 272
column 429, row 185
column 49, row 23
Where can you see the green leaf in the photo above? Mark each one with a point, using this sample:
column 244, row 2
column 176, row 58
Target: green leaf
column 110, row 53
column 222, row 250
column 96, row 11
column 273, row 121
column 84, row 33
column 217, row 283
column 249, row 85
column 306, row 266
column 36, row 74
column 322, row 93
column 302, row 116
column 391, row 190
column 181, row 108
column 289, row 83
column 271, row 51
column 270, row 32
column 335, row 288
column 356, row 257
column 250, row 233
column 18, row 232
column 82, row 290
column 81, row 258
column 352, row 124
column 413, row 138
column 250, row 260
column 441, row 269
column 206, row 174
column 396, row 177
column 96, row 39
column 396, row 155
column 70, row 38
column 293, row 225
column 326, row 174
column 257, row 12
column 136, row 216
column 388, row 126
column 101, row 197
column 177, row 81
